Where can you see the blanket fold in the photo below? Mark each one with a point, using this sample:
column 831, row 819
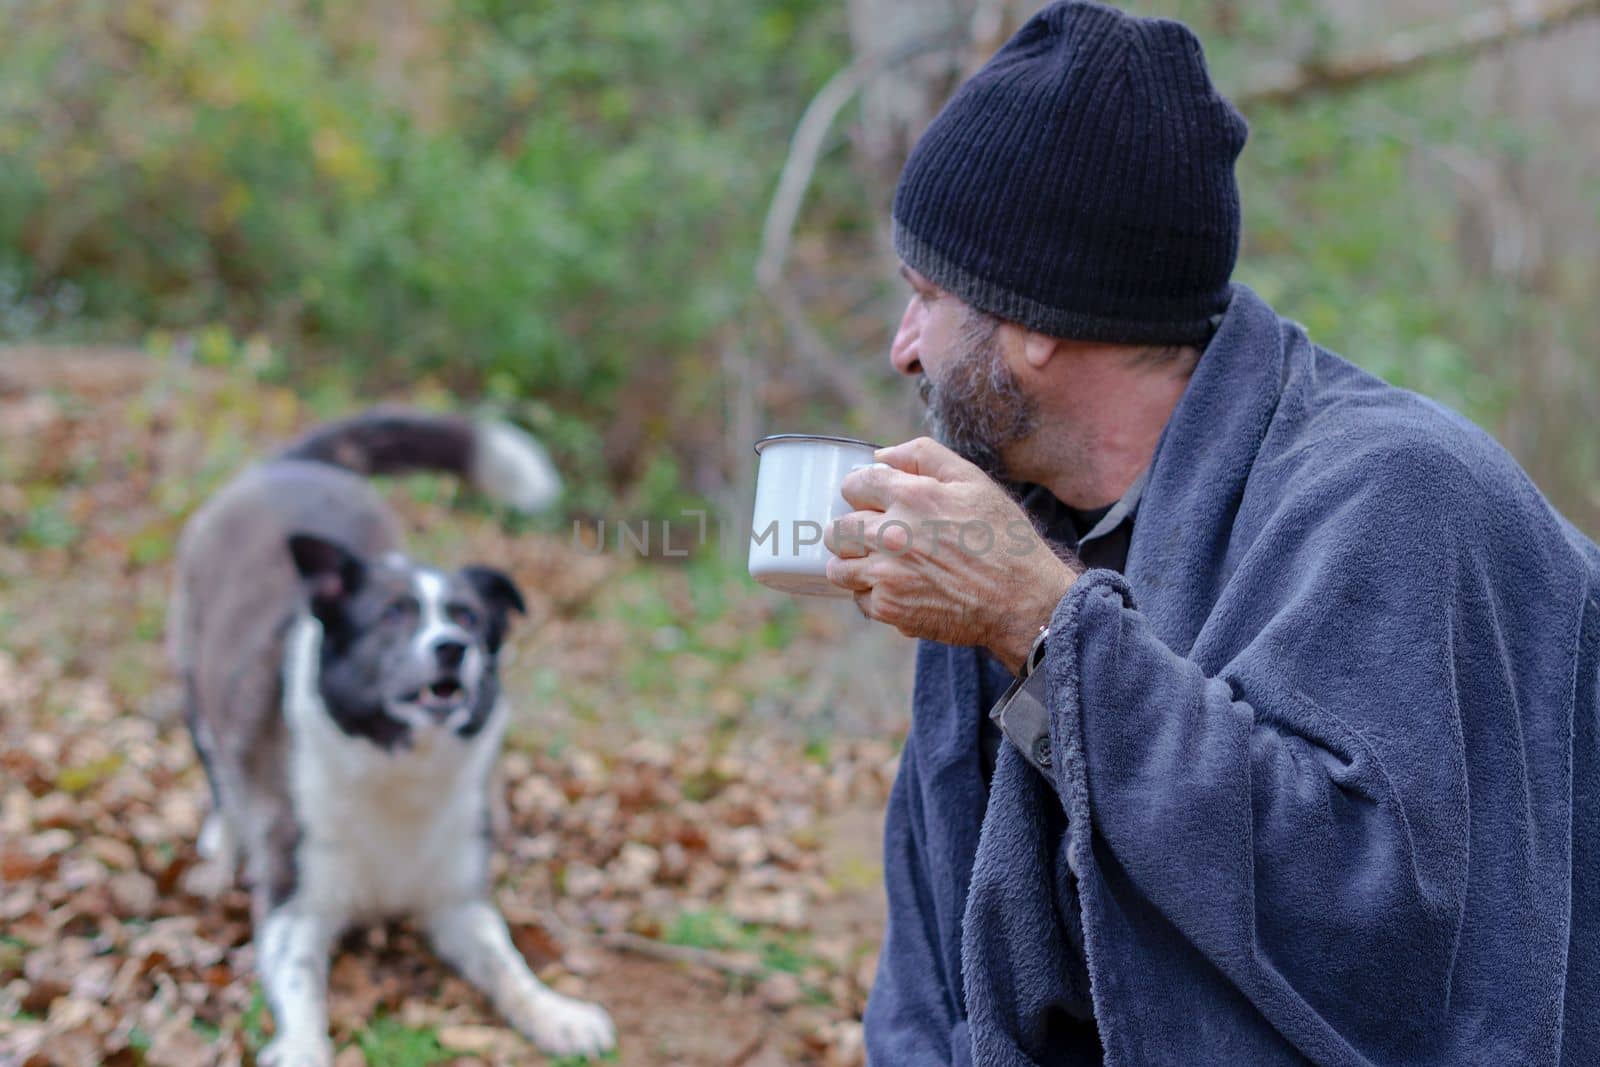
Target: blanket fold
column 1325, row 761
column 916, row 1014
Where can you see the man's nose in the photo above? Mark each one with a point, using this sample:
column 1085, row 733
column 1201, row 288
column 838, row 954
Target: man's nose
column 450, row 653
column 903, row 354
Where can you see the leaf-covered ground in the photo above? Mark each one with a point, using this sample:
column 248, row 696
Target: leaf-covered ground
column 696, row 776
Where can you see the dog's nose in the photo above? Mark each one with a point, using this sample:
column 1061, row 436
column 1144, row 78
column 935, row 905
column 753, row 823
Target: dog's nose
column 450, row 653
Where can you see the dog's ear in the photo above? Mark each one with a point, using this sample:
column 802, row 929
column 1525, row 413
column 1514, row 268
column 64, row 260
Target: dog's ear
column 501, row 595
column 496, row 588
column 330, row 571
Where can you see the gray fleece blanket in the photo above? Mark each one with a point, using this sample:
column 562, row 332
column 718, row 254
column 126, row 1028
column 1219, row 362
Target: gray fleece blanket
column 1326, row 783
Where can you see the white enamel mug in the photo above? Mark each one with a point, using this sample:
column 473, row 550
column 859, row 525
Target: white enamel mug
column 797, row 498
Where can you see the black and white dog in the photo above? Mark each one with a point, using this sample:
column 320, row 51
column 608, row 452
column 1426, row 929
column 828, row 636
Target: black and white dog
column 345, row 702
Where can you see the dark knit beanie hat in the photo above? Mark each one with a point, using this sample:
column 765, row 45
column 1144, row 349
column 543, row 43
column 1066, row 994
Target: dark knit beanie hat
column 1081, row 183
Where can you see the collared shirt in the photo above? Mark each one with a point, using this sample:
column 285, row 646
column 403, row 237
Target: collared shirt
column 1100, row 538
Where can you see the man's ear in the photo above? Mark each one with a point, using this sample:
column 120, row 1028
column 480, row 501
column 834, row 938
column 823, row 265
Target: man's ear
column 330, row 572
column 1039, row 349
column 501, row 595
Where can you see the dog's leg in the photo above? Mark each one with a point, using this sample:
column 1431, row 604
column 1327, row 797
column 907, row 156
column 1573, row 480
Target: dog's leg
column 217, row 842
column 218, row 845
column 473, row 939
column 219, row 852
column 293, row 949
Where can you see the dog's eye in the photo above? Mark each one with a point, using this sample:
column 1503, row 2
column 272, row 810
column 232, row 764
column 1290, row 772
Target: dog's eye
column 463, row 616
column 399, row 610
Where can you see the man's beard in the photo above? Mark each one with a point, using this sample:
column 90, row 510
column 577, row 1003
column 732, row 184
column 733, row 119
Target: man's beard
column 979, row 408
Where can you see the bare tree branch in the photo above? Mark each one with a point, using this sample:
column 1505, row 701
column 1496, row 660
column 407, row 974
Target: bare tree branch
column 741, row 966
column 738, row 966
column 1286, row 83
column 805, row 148
column 1405, row 52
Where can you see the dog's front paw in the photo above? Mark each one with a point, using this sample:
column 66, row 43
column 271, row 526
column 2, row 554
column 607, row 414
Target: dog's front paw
column 294, row 1050
column 563, row 1026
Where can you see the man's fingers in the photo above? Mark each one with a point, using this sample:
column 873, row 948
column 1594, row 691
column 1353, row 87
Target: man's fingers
column 849, row 574
column 851, row 535
column 927, row 457
column 873, row 488
column 861, row 532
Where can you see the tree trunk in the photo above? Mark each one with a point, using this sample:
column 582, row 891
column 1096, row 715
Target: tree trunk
column 896, row 106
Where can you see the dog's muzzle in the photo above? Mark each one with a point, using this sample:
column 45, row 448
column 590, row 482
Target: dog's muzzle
column 441, row 697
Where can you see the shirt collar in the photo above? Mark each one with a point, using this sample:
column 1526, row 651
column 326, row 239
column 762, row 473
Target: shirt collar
column 1038, row 500
column 1120, row 511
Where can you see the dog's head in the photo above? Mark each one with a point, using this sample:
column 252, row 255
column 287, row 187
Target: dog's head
column 406, row 649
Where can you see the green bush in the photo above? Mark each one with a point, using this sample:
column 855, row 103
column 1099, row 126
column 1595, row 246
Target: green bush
column 548, row 200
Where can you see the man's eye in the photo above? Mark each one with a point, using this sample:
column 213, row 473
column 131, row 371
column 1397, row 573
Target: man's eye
column 463, row 616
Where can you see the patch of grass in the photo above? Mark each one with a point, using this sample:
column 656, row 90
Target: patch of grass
column 151, row 621
column 702, row 786
column 254, row 1022
column 151, row 545
column 210, row 1031
column 778, row 950
column 393, row 1044
column 579, row 1061
column 701, row 637
column 782, row 954
column 855, row 874
column 48, row 526
column 86, row 776
column 702, row 929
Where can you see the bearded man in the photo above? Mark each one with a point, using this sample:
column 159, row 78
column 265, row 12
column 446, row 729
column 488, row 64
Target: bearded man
column 1293, row 753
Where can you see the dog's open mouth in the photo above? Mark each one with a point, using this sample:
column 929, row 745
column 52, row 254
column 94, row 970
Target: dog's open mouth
column 442, row 694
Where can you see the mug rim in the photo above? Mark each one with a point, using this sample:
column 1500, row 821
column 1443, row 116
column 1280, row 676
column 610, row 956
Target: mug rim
column 832, row 438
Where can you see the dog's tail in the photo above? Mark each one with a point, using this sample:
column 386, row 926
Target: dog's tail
column 497, row 457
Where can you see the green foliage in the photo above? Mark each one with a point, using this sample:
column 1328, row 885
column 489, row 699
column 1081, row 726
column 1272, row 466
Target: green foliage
column 392, row 1043
column 777, row 950
column 1340, row 239
column 1373, row 218
column 1350, row 226
column 531, row 201
column 553, row 209
column 254, row 1023
column 210, row 1031
column 579, row 1061
column 702, row 929
column 702, row 641
column 46, row 524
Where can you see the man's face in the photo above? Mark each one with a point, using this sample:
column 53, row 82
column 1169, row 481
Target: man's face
column 976, row 406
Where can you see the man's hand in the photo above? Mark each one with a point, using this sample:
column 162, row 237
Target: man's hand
column 939, row 551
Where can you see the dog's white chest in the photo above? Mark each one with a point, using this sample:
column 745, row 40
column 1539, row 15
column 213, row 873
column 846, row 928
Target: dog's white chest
column 381, row 833
column 387, row 846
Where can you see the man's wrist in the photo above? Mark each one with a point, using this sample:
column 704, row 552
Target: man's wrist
column 1032, row 616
